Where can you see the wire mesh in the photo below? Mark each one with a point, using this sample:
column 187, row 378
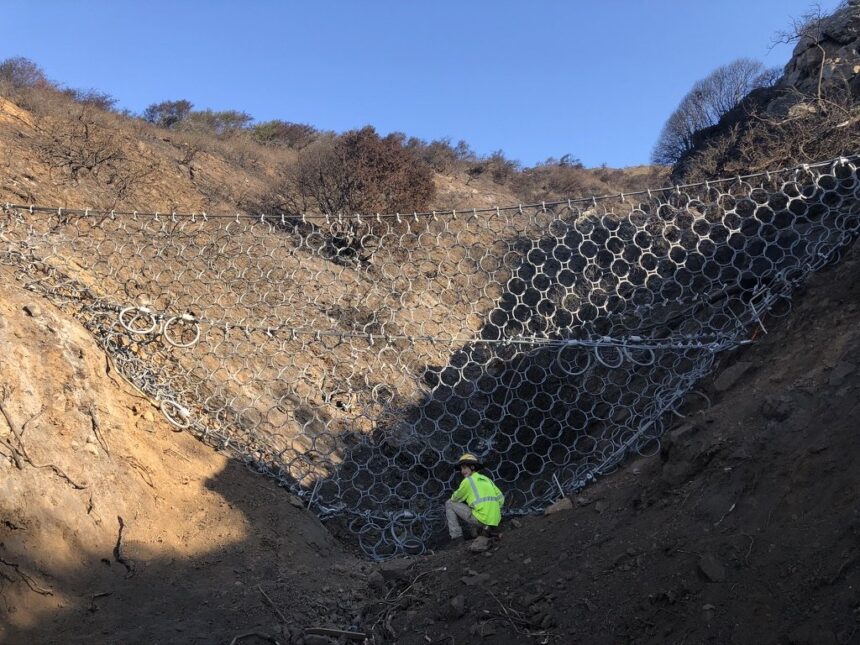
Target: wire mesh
column 354, row 358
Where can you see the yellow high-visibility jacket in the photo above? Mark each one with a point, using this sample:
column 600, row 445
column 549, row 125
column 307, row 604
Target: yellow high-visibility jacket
column 483, row 497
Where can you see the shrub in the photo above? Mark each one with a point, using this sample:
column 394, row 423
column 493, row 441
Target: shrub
column 222, row 124
column 357, row 172
column 498, row 167
column 284, row 133
column 93, row 98
column 440, row 155
column 555, row 179
column 168, row 114
column 19, row 73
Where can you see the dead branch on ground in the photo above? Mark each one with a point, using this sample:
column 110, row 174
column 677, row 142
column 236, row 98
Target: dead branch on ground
column 26, row 578
column 272, row 604
column 118, row 552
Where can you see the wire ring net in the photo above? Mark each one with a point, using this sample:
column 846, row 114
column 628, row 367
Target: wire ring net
column 354, row 359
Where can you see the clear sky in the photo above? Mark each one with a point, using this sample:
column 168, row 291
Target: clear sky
column 535, row 78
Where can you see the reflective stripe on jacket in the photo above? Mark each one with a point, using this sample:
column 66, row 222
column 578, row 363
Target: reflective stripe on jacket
column 483, row 497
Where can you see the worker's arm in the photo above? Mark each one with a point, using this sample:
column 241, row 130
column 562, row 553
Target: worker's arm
column 461, row 492
column 500, row 494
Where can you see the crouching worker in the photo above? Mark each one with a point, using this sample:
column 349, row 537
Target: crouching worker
column 477, row 501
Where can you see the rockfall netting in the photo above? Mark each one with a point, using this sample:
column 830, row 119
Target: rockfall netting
column 354, row 358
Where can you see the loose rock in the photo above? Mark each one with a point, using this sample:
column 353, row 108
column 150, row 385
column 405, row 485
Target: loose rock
column 376, row 582
column 713, row 570
column 563, row 504
column 479, row 544
column 396, row 569
column 476, row 579
column 458, row 606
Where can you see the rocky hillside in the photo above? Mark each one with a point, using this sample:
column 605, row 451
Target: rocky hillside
column 743, row 529
column 811, row 113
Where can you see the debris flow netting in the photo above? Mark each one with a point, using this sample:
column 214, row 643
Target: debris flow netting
column 355, row 358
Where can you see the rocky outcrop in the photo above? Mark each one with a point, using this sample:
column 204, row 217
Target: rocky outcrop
column 826, row 60
column 810, row 114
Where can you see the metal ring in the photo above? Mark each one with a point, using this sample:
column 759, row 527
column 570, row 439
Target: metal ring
column 138, row 311
column 570, row 372
column 181, row 319
column 628, row 353
column 611, row 366
column 178, row 415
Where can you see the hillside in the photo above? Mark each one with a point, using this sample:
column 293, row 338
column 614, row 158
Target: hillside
column 722, row 537
column 108, row 516
column 218, row 425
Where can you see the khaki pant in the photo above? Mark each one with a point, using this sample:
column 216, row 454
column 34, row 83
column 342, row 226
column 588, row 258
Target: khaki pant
column 456, row 511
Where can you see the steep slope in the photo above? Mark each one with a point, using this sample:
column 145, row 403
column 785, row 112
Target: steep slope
column 76, row 156
column 112, row 529
column 745, row 528
column 115, row 529
column 811, row 113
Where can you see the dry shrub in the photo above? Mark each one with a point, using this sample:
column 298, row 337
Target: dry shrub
column 553, row 180
column 441, row 156
column 284, row 133
column 358, row 172
column 81, row 142
column 814, row 129
column 496, row 166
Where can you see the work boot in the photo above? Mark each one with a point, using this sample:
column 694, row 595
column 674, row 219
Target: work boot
column 491, row 532
column 479, row 544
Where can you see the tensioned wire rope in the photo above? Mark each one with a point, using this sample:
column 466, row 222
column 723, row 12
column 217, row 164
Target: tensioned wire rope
column 332, row 217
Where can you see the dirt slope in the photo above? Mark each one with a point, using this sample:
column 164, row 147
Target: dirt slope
column 745, row 528
column 75, row 156
column 200, row 531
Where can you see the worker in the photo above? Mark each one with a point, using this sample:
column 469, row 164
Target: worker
column 477, row 501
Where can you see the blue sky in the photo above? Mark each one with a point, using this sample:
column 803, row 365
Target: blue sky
column 539, row 78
